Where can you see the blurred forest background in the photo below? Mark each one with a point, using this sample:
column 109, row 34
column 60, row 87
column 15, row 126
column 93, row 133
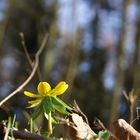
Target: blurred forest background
column 94, row 45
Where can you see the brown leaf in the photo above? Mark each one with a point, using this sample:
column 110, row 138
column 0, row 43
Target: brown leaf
column 80, row 129
column 124, row 131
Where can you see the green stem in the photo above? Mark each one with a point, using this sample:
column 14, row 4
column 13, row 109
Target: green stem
column 50, row 130
column 31, row 125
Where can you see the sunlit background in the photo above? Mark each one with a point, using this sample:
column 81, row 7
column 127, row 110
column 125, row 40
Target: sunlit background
column 94, row 45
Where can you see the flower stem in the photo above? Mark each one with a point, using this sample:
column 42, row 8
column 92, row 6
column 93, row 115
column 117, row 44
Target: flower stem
column 50, row 130
column 31, row 125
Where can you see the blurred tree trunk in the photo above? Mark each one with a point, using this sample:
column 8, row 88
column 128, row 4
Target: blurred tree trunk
column 49, row 55
column 3, row 25
column 136, row 70
column 73, row 62
column 136, row 82
column 120, row 69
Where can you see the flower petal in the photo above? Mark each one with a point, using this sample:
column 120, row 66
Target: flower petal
column 43, row 88
column 35, row 101
column 59, row 89
column 33, row 105
column 29, row 94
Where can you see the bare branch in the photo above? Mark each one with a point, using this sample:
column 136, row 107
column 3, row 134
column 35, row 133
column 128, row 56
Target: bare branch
column 35, row 66
column 25, row 49
column 131, row 99
column 79, row 111
column 28, row 55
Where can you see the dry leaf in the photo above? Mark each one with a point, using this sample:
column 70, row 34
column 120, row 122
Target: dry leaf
column 81, row 128
column 124, row 131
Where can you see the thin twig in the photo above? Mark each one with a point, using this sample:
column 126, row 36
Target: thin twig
column 28, row 55
column 35, row 66
column 131, row 98
column 25, row 49
column 80, row 111
column 138, row 116
column 135, row 119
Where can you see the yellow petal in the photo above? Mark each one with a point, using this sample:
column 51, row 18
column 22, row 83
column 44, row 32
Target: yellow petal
column 29, row 94
column 59, row 89
column 43, row 88
column 38, row 101
column 33, row 105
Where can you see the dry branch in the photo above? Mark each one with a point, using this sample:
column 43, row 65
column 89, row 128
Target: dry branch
column 35, row 66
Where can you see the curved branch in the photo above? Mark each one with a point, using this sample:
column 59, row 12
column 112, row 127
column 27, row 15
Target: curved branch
column 35, row 66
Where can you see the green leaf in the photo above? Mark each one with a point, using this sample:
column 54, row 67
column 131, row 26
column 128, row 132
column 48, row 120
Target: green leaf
column 104, row 135
column 55, row 120
column 61, row 109
column 37, row 112
column 58, row 100
column 44, row 133
column 60, row 106
column 47, row 105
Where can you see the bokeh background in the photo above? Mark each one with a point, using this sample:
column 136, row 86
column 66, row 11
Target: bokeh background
column 93, row 45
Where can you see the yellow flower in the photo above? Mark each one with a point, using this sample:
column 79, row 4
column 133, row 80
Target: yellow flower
column 44, row 90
